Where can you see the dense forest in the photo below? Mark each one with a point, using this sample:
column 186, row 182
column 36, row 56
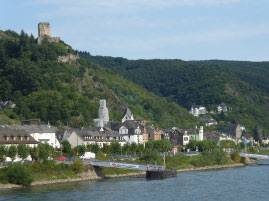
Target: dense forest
column 254, row 73
column 243, row 86
column 69, row 93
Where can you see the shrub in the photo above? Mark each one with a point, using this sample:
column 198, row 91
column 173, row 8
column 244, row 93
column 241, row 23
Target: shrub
column 19, row 173
column 77, row 166
column 235, row 157
column 3, row 175
column 243, row 160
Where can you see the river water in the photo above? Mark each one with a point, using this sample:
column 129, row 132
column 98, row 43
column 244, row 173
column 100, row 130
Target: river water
column 247, row 183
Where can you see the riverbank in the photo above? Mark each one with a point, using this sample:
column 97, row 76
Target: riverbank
column 92, row 176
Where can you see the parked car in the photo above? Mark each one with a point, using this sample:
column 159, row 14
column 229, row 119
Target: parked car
column 87, row 156
column 62, row 158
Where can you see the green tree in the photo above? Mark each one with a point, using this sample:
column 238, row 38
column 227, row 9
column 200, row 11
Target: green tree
column 106, row 148
column 133, row 148
column 23, row 151
column 115, row 148
column 93, row 148
column 140, row 148
column 165, row 146
column 34, row 152
column 66, row 147
column 44, row 151
column 3, row 153
column 126, row 148
column 81, row 149
column 12, row 152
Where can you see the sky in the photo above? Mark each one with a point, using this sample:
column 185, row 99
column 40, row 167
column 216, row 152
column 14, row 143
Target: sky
column 150, row 29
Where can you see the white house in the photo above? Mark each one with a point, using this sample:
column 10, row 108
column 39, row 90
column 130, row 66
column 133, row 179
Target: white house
column 222, row 108
column 10, row 137
column 41, row 133
column 211, row 122
column 198, row 110
column 131, row 132
column 90, row 136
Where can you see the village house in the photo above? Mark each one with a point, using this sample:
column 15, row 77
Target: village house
column 88, row 136
column 10, row 137
column 197, row 110
column 222, row 108
column 196, row 134
column 234, row 130
column 7, row 105
column 211, row 122
column 41, row 133
column 216, row 136
column 131, row 131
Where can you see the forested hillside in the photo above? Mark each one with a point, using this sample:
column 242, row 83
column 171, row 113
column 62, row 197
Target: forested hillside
column 254, row 73
column 206, row 83
column 63, row 93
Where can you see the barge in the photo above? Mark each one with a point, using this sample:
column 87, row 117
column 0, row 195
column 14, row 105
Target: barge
column 160, row 174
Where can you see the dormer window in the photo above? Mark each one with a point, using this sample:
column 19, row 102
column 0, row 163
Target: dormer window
column 21, row 138
column 27, row 138
column 7, row 138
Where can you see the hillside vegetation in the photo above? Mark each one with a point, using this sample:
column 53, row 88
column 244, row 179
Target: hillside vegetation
column 208, row 83
column 62, row 93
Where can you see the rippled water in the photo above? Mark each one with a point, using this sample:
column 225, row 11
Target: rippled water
column 248, row 183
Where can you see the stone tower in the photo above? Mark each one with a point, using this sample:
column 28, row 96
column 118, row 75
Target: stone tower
column 103, row 116
column 43, row 29
column 43, row 32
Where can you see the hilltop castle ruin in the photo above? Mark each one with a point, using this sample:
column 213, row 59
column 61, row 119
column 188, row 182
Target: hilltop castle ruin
column 44, row 32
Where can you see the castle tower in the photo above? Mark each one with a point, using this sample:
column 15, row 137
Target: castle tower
column 103, row 116
column 43, row 32
column 43, row 29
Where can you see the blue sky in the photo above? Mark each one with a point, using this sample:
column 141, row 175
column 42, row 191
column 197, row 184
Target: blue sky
column 148, row 29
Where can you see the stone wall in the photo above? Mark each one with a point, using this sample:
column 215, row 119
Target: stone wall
column 68, row 58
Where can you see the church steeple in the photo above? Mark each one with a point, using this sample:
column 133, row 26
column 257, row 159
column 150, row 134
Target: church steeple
column 127, row 115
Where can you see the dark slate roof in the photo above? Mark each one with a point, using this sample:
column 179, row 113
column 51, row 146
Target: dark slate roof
column 96, row 135
column 129, row 124
column 112, row 125
column 32, row 128
column 15, row 137
column 128, row 113
column 231, row 128
column 189, row 131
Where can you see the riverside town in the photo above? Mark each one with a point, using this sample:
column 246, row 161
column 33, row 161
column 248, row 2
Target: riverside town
column 67, row 116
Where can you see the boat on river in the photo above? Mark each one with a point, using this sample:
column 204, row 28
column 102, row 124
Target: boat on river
column 161, row 174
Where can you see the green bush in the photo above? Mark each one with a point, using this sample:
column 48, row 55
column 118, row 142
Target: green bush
column 77, row 166
column 3, row 175
column 243, row 160
column 19, row 173
column 236, row 157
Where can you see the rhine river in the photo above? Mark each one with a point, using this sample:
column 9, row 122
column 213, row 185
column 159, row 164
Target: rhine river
column 247, row 183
